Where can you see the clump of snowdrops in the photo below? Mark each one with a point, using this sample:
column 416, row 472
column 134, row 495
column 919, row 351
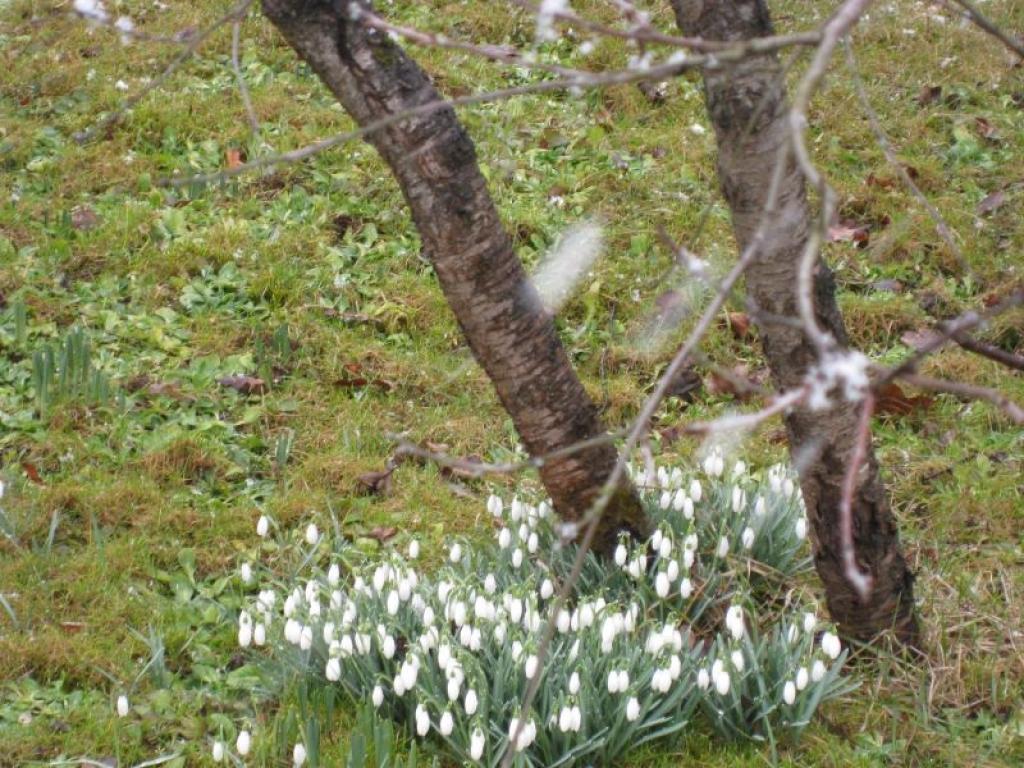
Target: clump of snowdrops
column 665, row 628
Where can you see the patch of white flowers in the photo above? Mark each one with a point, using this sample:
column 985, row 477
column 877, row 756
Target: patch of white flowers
column 660, row 629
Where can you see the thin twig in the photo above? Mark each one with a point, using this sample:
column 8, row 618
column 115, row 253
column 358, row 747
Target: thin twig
column 972, row 391
column 991, row 351
column 243, row 88
column 858, row 579
column 983, row 22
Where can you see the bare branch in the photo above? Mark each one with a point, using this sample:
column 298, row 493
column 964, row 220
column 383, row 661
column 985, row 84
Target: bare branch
column 858, row 579
column 972, row 391
column 243, row 88
column 991, row 351
column 986, row 24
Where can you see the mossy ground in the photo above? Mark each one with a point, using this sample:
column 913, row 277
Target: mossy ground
column 126, row 519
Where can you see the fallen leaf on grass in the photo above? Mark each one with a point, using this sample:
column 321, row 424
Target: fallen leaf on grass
column 992, row 202
column 376, row 482
column 244, row 385
column 84, row 218
column 72, row 626
column 234, row 158
column 928, row 95
column 922, row 338
column 32, row 472
column 383, row 533
column 739, row 324
column 893, row 400
column 847, row 231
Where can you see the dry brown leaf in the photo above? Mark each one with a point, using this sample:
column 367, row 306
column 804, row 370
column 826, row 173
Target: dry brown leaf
column 244, row 385
column 891, row 399
column 992, row 202
column 376, row 482
column 383, row 533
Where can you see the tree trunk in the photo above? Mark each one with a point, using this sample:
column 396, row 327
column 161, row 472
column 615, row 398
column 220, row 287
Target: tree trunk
column 509, row 332
column 747, row 105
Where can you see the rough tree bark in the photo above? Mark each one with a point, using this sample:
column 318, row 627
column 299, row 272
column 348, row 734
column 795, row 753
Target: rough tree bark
column 509, row 332
column 747, row 105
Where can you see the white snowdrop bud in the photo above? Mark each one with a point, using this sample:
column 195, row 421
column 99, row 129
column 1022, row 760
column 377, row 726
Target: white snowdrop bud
column 377, row 696
column 333, row 671
column 246, row 573
column 306, row 638
column 530, row 666
column 810, row 622
column 688, row 558
column 476, row 744
column 747, row 538
column 734, row 621
column 504, row 538
column 623, row 680
column 760, row 508
column 414, row 549
column 831, row 646
column 792, row 634
column 263, row 526
column 515, row 610
column 524, row 532
column 399, row 686
column 547, row 589
column 739, row 499
column 500, row 631
column 672, row 571
column 244, row 635
column 312, row 534
column 656, row 539
column 455, row 554
column 613, row 682
column 333, row 575
column 393, row 602
column 565, row 719
column 472, row 702
column 737, row 660
column 574, row 683
column 218, row 751
column 259, row 635
column 665, row 549
column 632, row 709
column 404, row 590
column 789, row 692
column 292, row 631
column 661, row 584
column 696, row 491
column 532, row 543
column 666, row 500
column 679, row 500
column 387, row 647
column 586, row 615
column 517, row 558
column 243, row 743
column 620, row 555
column 422, row 720
column 685, row 589
column 723, row 547
column 490, row 584
column 739, row 469
column 298, row 755
column 675, row 667
column 787, row 487
column 459, row 613
column 446, row 724
column 802, row 678
column 818, row 670
column 801, row 528
column 703, row 679
column 722, row 683
column 122, row 706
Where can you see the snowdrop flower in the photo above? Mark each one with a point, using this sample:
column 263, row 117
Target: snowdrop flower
column 739, row 469
column 696, row 491
column 387, row 647
column 831, row 646
column 792, row 634
column 393, row 602
column 739, row 499
column 263, row 526
column 377, row 696
column 494, row 505
column 292, row 631
column 632, row 709
column 447, row 724
column 259, row 635
column 243, row 743
column 455, row 554
column 810, row 622
column 499, row 633
column 801, row 678
column 665, row 548
column 563, row 623
column 532, row 543
column 722, row 683
column 747, row 539
column 246, row 573
column 504, row 538
column 818, row 670
column 685, row 589
column 547, row 589
column 661, row 584
column 613, row 681
column 656, row 539
column 122, row 706
column 218, row 751
column 515, row 610
column 306, row 638
column 490, row 584
column 472, row 702
column 703, row 679
column 476, row 744
column 565, row 719
column 759, row 507
column 734, row 621
column 620, row 555
column 333, row 575
column 299, row 755
column 422, row 720
column 530, row 666
column 312, row 534
column 672, row 570
column 789, row 693
column 737, row 660
column 723, row 547
column 517, row 558
column 666, row 500
column 574, row 683
column 586, row 615
column 414, row 549
column 801, row 528
column 788, row 488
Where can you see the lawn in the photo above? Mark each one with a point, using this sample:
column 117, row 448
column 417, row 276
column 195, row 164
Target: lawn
column 131, row 499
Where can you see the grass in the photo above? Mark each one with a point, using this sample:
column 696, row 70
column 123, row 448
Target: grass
column 126, row 517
